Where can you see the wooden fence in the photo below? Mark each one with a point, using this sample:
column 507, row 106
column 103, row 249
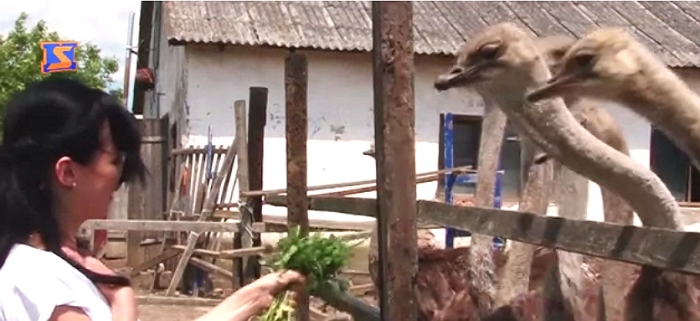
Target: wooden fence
column 666, row 249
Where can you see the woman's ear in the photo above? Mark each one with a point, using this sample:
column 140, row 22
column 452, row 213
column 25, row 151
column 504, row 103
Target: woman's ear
column 65, row 172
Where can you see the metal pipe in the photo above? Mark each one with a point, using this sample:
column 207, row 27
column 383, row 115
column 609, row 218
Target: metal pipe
column 127, row 59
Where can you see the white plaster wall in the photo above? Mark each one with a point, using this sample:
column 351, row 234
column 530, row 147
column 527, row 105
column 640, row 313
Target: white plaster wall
column 340, row 108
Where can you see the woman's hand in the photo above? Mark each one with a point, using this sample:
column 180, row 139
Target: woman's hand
column 269, row 286
column 254, row 298
column 121, row 299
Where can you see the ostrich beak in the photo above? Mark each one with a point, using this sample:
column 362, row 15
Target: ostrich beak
column 369, row 152
column 457, row 76
column 555, row 86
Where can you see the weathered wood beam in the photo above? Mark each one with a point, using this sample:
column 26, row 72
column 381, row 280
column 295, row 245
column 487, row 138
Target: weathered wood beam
column 257, row 119
column 348, row 205
column 244, row 239
column 662, row 248
column 395, row 149
column 422, row 177
column 313, row 223
column 166, row 255
column 666, row 249
column 296, row 79
column 168, row 226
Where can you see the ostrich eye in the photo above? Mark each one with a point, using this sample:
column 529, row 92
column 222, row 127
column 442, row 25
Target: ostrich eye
column 489, row 51
column 558, row 54
column 584, row 60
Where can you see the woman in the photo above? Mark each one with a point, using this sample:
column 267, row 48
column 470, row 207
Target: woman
column 66, row 148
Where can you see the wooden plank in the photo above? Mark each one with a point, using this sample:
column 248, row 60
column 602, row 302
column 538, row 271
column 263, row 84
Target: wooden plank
column 257, row 119
column 243, row 239
column 211, row 268
column 165, row 255
column 192, row 150
column 168, row 226
column 460, row 170
column 313, row 223
column 296, row 130
column 204, row 252
column 229, row 254
column 209, row 206
column 667, row 249
column 662, row 248
column 373, row 187
column 249, row 252
column 347, row 205
column 394, row 134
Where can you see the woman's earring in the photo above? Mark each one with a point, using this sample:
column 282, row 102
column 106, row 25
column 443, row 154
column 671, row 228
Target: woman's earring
column 73, row 184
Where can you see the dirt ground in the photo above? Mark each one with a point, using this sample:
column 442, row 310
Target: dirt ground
column 170, row 313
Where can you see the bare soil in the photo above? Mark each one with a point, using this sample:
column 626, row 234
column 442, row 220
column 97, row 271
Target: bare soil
column 170, row 312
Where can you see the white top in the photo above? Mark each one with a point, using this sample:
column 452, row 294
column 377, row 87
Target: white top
column 34, row 282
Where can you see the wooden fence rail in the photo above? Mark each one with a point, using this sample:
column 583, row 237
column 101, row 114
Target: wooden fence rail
column 167, row 226
column 662, row 248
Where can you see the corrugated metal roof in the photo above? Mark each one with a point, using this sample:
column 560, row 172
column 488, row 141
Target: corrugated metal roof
column 670, row 29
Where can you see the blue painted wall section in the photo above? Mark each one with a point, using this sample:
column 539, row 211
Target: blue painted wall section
column 453, row 179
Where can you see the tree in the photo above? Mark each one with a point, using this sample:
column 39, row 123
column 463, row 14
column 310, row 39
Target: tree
column 21, row 55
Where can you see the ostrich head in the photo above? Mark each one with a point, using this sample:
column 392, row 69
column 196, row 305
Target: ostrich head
column 494, row 57
column 603, row 64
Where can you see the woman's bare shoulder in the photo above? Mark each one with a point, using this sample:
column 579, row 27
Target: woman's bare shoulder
column 68, row 313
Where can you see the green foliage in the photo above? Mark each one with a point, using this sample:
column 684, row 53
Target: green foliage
column 315, row 256
column 21, row 55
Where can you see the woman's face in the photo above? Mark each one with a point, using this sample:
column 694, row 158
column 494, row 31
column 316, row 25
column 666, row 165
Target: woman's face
column 89, row 188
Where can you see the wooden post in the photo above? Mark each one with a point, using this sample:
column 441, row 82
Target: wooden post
column 147, row 202
column 297, row 122
column 394, row 134
column 257, row 117
column 244, row 238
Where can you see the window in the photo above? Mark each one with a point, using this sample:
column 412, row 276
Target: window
column 674, row 168
column 467, row 133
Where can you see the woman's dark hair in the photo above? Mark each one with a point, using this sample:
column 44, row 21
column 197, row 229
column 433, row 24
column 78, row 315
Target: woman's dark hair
column 50, row 119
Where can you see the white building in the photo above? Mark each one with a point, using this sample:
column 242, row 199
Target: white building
column 206, row 55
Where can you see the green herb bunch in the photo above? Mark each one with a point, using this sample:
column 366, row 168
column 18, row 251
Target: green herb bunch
column 318, row 258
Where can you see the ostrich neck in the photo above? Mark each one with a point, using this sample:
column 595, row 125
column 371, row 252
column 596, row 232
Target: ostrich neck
column 667, row 102
column 562, row 137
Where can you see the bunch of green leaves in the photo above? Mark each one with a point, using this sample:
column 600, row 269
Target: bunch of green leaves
column 318, row 258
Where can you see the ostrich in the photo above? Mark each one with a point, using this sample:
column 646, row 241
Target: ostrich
column 503, row 63
column 602, row 125
column 610, row 64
